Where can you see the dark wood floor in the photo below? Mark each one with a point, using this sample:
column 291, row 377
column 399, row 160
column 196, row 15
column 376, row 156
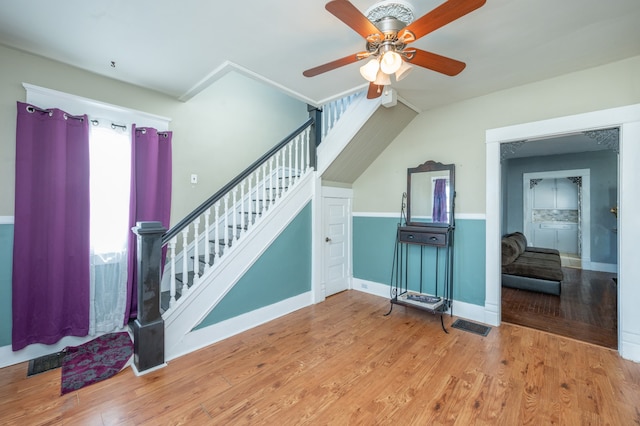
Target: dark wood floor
column 586, row 310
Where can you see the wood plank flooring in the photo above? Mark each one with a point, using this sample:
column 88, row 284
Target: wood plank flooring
column 342, row 362
column 586, row 309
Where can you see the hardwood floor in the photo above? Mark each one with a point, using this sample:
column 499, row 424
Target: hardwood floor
column 586, row 309
column 342, row 362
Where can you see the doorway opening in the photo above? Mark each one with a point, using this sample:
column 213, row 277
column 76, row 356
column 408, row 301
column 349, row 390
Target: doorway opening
column 627, row 120
column 565, row 181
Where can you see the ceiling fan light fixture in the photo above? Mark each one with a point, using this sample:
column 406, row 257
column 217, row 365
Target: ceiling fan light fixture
column 382, row 79
column 370, row 70
column 403, row 71
column 390, row 62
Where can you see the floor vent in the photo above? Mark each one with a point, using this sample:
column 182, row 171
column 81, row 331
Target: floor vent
column 471, row 327
column 45, row 363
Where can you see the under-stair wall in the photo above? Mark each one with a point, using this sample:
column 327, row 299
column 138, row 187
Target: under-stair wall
column 193, row 324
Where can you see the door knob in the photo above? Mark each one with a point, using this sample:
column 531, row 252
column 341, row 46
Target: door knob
column 328, row 239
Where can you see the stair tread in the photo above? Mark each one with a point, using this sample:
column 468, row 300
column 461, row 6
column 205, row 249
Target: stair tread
column 201, row 258
column 190, row 275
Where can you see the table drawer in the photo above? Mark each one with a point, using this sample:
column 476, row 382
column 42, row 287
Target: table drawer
column 425, row 238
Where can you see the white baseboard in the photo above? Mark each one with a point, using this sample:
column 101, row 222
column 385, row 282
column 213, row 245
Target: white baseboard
column 460, row 309
column 371, row 287
column 147, row 371
column 203, row 337
column 629, row 347
column 600, row 267
column 9, row 357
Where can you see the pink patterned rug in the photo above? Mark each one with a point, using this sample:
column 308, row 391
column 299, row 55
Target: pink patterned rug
column 94, row 361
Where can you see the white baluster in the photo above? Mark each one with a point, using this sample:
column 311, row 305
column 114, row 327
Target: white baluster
column 303, row 150
column 283, row 181
column 207, row 235
column 185, row 265
column 234, row 213
column 295, row 155
column 216, row 231
column 325, row 124
column 290, row 180
column 272, row 198
column 250, row 216
column 196, row 251
column 264, row 205
column 277, row 176
column 307, row 143
column 243, row 217
column 228, row 237
column 172, row 273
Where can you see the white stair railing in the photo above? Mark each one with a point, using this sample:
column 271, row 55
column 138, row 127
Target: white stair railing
column 235, row 211
column 239, row 206
column 332, row 111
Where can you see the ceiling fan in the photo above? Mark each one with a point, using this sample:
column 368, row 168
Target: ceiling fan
column 388, row 29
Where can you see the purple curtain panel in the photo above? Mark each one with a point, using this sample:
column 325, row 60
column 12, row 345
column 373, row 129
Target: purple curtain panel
column 150, row 195
column 50, row 296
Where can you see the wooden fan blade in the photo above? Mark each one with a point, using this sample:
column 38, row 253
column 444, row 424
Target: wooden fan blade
column 350, row 15
column 439, row 17
column 374, row 91
column 331, row 65
column 438, row 63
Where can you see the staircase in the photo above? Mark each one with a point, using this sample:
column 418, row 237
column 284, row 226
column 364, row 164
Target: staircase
column 215, row 245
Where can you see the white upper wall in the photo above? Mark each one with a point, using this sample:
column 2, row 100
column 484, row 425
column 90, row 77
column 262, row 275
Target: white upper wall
column 217, row 133
column 456, row 133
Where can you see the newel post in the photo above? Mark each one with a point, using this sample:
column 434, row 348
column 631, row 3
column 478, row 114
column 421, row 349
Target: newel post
column 316, row 133
column 148, row 327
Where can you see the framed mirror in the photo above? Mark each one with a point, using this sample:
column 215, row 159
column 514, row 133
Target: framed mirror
column 430, row 195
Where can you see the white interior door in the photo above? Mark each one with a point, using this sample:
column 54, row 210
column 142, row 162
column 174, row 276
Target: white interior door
column 336, row 244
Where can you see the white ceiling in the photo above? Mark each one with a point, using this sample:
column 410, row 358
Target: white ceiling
column 179, row 47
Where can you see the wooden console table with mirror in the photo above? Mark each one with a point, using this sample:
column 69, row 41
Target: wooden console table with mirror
column 422, row 273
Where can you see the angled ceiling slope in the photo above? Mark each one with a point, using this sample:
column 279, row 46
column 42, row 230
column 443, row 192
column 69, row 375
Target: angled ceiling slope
column 368, row 143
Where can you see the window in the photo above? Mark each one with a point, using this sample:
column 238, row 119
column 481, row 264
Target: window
column 110, row 153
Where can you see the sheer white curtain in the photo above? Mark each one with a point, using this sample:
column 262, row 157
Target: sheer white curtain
column 110, row 152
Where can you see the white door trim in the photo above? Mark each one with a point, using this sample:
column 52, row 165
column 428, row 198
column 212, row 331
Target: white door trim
column 627, row 119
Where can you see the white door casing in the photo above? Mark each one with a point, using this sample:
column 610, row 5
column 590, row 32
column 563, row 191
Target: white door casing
column 627, row 120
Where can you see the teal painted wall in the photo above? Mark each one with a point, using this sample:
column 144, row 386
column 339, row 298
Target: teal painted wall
column 469, row 262
column 373, row 251
column 373, row 246
column 283, row 271
column 6, row 262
